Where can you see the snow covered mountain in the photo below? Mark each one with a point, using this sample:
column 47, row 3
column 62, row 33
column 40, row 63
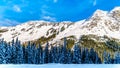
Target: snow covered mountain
column 101, row 23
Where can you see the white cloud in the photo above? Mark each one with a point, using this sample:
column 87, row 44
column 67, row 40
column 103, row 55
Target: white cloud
column 44, row 11
column 49, row 18
column 17, row 8
column 55, row 1
column 46, row 15
column 94, row 3
column 8, row 22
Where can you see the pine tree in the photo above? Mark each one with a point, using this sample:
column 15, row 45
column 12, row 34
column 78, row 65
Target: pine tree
column 14, row 54
column 77, row 54
column 52, row 55
column 29, row 54
column 117, row 58
column 46, row 53
column 9, row 53
column 63, row 57
column 55, row 54
column 107, row 58
column 98, row 60
column 25, row 52
column 4, row 53
column 33, row 49
column 59, row 53
column 39, row 54
column 69, row 56
column 87, row 57
column 19, row 51
column 92, row 56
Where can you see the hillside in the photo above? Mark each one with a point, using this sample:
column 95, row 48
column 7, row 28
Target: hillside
column 101, row 23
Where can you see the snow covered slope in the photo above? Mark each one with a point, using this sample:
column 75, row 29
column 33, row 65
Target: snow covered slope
column 62, row 66
column 101, row 23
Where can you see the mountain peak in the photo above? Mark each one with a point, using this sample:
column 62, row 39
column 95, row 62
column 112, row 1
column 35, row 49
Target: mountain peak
column 100, row 24
column 99, row 13
column 115, row 13
column 116, row 9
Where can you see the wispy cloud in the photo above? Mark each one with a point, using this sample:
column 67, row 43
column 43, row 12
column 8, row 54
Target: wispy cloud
column 49, row 18
column 60, row 10
column 55, row 1
column 46, row 15
column 5, row 21
column 17, row 8
column 94, row 3
column 8, row 22
column 44, row 12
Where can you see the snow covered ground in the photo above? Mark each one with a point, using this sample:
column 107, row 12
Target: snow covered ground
column 63, row 66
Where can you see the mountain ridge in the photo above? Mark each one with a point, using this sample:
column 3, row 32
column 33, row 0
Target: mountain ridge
column 101, row 23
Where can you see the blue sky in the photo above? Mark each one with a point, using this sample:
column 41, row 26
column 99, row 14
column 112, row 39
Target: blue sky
column 13, row 12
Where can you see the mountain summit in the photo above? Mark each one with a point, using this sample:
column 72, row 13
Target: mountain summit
column 101, row 23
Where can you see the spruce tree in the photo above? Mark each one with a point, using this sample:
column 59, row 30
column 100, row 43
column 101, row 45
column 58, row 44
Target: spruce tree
column 14, row 54
column 107, row 58
column 63, row 57
column 46, row 53
column 92, row 56
column 76, row 54
column 19, row 51
column 39, row 54
column 117, row 58
column 29, row 54
column 4, row 53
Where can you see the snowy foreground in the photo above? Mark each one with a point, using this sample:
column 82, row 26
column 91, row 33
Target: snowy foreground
column 63, row 66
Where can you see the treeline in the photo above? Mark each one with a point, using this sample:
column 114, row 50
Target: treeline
column 16, row 53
